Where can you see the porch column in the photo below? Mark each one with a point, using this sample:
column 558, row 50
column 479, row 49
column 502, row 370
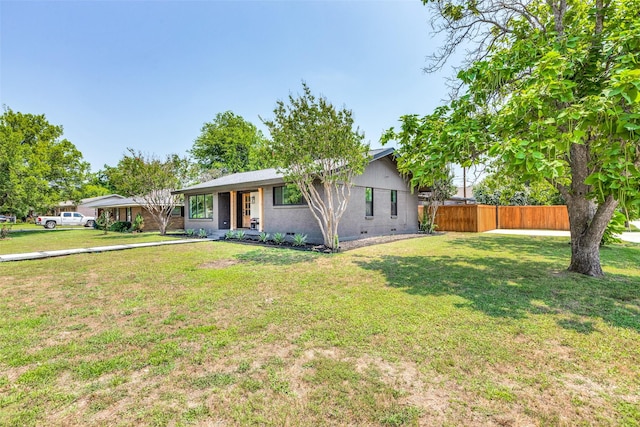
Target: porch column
column 261, row 208
column 234, row 207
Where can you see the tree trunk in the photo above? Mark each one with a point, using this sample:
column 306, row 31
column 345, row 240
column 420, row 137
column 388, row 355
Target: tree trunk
column 587, row 220
column 585, row 257
column 588, row 223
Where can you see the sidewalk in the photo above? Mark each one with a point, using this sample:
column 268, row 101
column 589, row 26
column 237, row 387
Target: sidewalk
column 97, row 249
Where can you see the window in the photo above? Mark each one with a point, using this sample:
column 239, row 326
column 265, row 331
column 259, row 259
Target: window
column 368, row 200
column 177, row 211
column 394, row 202
column 66, row 214
column 201, row 206
column 287, row 195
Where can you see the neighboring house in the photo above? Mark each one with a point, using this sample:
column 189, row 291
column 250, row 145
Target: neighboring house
column 463, row 196
column 457, row 199
column 381, row 203
column 84, row 207
column 126, row 209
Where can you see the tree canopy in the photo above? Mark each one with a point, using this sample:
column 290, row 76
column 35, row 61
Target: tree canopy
column 38, row 169
column 552, row 89
column 318, row 149
column 150, row 180
column 503, row 189
column 230, row 144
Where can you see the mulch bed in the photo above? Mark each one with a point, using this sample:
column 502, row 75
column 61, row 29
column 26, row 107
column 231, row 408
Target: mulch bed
column 344, row 246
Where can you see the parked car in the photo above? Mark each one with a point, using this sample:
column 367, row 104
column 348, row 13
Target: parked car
column 4, row 218
column 66, row 218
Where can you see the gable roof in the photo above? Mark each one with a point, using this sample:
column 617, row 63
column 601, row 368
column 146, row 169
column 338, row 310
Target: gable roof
column 89, row 201
column 263, row 176
column 120, row 203
column 381, row 152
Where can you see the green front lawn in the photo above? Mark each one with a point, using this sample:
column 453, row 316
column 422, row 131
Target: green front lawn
column 459, row 329
column 50, row 240
column 23, row 226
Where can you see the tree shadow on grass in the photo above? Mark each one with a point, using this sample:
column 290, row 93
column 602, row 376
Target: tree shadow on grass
column 553, row 248
column 501, row 287
column 280, row 256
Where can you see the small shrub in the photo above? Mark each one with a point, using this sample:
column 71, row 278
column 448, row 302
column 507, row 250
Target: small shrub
column 138, row 223
column 263, row 237
column 4, row 231
column 426, row 226
column 240, row 235
column 120, row 226
column 230, row 235
column 299, row 239
column 202, row 233
column 190, row 232
column 278, row 238
column 104, row 221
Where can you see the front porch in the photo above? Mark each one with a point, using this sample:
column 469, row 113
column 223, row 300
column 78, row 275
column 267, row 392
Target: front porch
column 241, row 210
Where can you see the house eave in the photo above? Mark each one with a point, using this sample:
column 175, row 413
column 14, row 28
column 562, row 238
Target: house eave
column 230, row 187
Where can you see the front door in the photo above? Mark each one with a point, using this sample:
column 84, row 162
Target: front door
column 224, row 211
column 246, row 210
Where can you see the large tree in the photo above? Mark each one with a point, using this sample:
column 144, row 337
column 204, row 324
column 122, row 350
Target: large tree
column 38, row 169
column 553, row 89
column 320, row 152
column 150, row 181
column 230, row 144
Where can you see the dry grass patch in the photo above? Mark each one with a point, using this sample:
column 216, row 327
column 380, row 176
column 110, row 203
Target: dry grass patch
column 218, row 264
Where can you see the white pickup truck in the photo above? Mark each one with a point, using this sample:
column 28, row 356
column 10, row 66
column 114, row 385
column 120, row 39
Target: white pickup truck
column 66, row 218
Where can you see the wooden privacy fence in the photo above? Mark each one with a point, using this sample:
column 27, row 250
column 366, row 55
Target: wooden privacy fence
column 533, row 217
column 479, row 218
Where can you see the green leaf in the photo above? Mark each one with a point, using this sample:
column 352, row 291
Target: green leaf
column 594, row 178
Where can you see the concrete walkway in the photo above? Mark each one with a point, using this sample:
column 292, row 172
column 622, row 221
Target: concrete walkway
column 97, row 249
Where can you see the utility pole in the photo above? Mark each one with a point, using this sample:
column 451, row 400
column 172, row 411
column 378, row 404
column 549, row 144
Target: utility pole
column 464, row 184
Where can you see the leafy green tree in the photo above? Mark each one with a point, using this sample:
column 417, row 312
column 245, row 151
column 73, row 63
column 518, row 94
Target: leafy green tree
column 150, row 181
column 501, row 189
column 38, row 169
column 421, row 165
column 94, row 186
column 438, row 191
column 552, row 90
column 230, row 144
column 318, row 150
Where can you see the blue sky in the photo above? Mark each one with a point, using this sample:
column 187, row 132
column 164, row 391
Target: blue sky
column 148, row 74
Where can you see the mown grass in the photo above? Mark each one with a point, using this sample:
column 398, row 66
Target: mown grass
column 458, row 329
column 23, row 226
column 49, row 240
